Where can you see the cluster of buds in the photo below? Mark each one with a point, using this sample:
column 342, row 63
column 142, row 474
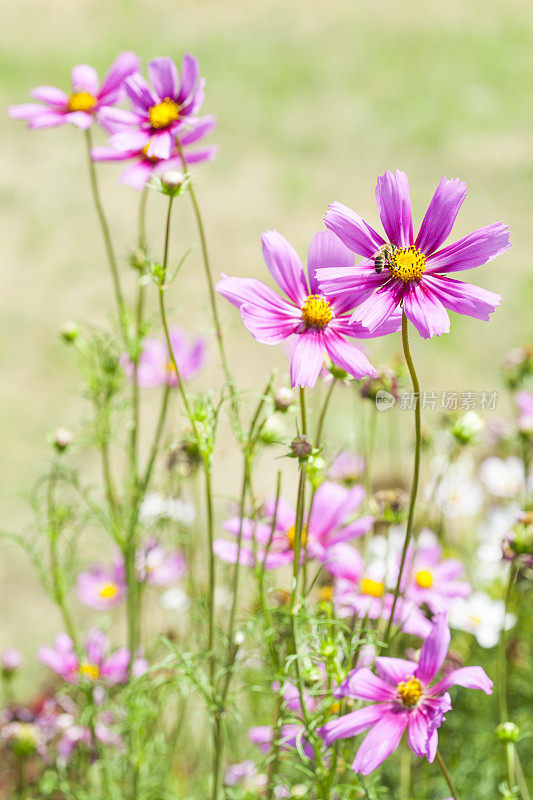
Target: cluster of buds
column 518, row 543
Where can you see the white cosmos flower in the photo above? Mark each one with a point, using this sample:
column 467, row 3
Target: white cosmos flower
column 175, row 599
column 458, row 494
column 482, row 616
column 156, row 506
column 503, row 477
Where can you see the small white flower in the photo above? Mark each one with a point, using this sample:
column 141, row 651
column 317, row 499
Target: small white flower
column 458, row 494
column 503, row 477
column 482, row 616
column 156, row 506
column 175, row 599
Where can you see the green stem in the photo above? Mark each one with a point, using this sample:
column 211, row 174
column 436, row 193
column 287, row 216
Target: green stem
column 322, row 417
column 55, row 563
column 446, row 774
column 502, row 661
column 416, row 471
column 107, row 237
column 303, row 412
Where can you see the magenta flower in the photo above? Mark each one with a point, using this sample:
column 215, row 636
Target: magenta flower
column 160, row 112
column 324, row 537
column 155, row 367
column 415, row 275
column 102, row 587
column 431, row 579
column 87, row 98
column 156, row 566
column 143, row 166
column 405, row 698
column 96, row 662
column 320, row 324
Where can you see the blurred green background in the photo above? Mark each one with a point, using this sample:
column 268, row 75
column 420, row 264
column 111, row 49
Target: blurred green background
column 313, row 101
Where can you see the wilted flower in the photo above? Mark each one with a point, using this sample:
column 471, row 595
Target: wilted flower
column 155, row 366
column 405, row 698
column 320, row 323
column 86, row 100
column 416, row 271
column 482, row 616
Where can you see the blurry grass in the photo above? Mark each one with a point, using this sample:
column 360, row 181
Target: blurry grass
column 313, row 102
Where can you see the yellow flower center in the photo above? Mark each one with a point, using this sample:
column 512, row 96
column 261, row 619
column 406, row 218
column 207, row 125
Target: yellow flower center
column 424, row 579
column 163, row 114
column 171, row 368
column 88, row 670
column 407, row 263
column 410, row 691
column 316, row 311
column 108, row 591
column 325, row 593
column 372, row 588
column 144, row 151
column 291, row 536
column 475, row 620
column 81, row 101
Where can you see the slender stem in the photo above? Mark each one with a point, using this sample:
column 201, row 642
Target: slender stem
column 211, row 288
column 55, row 564
column 142, row 218
column 157, row 438
column 322, row 417
column 416, row 471
column 502, row 661
column 107, row 237
column 446, row 774
column 303, row 412
column 524, row 791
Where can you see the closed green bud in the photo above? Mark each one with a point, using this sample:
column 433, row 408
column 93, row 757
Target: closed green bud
column 507, row 732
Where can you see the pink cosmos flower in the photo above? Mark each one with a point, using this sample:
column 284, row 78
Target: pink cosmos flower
column 324, row 537
column 87, row 98
column 156, row 566
column 346, row 468
column 524, row 401
column 364, row 595
column 155, row 367
column 320, row 324
column 415, row 275
column 102, row 587
column 405, row 698
column 160, row 112
column 144, row 166
column 431, row 579
column 96, row 663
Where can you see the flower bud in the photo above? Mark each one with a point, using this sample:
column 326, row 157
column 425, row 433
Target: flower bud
column 10, row 661
column 172, row 181
column 63, row 438
column 301, row 447
column 24, row 739
column 283, row 398
column 138, row 259
column 69, row 332
column 299, row 791
column 507, row 732
column 466, row 427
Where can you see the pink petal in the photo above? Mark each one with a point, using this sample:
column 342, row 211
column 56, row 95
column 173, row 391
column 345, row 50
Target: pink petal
column 307, row 358
column 111, row 154
column 425, row 310
column 266, row 326
column 201, row 154
column 140, row 93
column 353, row 723
column 115, row 120
column 332, row 505
column 84, row 78
column 25, row 111
column 51, row 96
column 198, row 128
column 126, row 63
column 352, row 230
column 137, row 176
column 347, row 356
column 352, row 531
column 394, row 206
column 250, row 291
column 164, row 76
column 285, row 266
column 160, row 145
column 380, row 742
column 441, row 215
column 228, row 551
column 469, row 677
column 347, row 286
column 367, row 686
column 377, row 308
column 344, row 561
column 394, row 670
column 471, row 251
column 47, row 119
column 463, row 298
column 326, row 250
column 418, row 733
column 80, row 119
column 190, row 71
column 434, row 650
